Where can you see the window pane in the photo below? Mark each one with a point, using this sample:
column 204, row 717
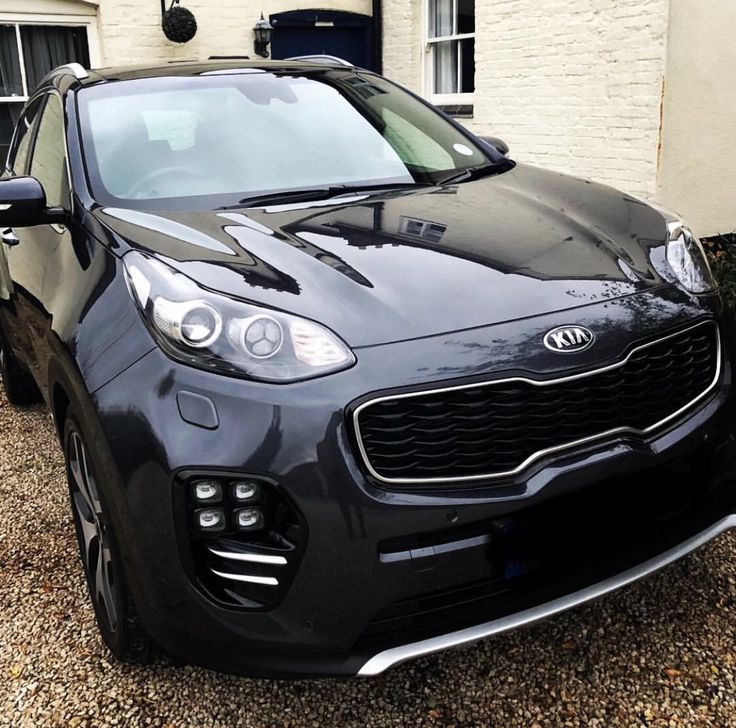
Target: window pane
column 441, row 21
column 11, row 83
column 46, row 47
column 8, row 115
column 18, row 160
column 445, row 59
column 466, row 16
column 48, row 164
column 467, row 66
column 445, row 67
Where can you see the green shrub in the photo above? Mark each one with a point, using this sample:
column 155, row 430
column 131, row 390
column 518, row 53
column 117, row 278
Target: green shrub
column 721, row 251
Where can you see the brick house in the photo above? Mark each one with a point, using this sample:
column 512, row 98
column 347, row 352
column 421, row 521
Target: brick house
column 640, row 94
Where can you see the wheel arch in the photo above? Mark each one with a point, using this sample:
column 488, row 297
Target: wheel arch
column 65, row 387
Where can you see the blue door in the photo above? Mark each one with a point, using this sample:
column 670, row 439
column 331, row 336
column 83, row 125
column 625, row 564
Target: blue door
column 329, row 32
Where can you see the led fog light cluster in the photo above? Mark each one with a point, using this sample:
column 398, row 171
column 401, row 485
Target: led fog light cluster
column 244, row 536
column 220, row 505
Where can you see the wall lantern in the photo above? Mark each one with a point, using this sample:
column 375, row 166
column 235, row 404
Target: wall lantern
column 262, row 31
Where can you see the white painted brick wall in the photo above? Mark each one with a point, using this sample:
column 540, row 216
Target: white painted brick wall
column 573, row 85
column 697, row 173
column 402, row 42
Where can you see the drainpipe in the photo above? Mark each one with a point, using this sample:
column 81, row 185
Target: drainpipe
column 377, row 35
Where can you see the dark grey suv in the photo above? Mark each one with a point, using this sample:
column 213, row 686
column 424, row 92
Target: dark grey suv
column 337, row 382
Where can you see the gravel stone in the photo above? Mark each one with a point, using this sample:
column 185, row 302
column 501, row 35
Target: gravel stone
column 658, row 653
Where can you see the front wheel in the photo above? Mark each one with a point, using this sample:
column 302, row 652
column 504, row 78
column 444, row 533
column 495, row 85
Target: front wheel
column 115, row 611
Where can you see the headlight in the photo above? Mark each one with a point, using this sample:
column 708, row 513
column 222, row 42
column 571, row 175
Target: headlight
column 213, row 331
column 685, row 255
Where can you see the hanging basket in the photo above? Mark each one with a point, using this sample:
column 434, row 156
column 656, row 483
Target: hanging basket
column 179, row 24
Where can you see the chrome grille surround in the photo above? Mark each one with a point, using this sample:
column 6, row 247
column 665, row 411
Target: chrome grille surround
column 612, row 432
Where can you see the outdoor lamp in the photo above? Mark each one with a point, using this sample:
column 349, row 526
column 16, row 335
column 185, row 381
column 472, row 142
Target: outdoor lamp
column 262, row 31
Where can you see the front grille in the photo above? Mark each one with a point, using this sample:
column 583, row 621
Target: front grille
column 496, row 429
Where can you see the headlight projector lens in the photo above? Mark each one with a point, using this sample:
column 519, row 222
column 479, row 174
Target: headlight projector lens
column 194, row 323
column 260, row 336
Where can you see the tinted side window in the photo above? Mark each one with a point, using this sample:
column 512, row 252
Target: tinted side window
column 18, row 157
column 48, row 164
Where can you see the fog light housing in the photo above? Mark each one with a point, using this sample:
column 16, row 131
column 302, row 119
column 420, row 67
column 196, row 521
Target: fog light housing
column 246, row 491
column 210, row 520
column 248, row 519
column 206, row 491
column 245, row 548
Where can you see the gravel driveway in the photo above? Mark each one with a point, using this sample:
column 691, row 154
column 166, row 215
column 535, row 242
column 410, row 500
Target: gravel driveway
column 662, row 652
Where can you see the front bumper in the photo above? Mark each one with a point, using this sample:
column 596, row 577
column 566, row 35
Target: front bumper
column 387, row 575
column 395, row 655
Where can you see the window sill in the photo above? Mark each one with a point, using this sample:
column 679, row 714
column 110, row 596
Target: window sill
column 457, row 111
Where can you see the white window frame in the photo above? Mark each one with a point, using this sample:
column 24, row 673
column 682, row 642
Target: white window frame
column 428, row 65
column 89, row 22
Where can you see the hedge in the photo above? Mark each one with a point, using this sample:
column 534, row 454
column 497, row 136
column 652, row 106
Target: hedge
column 721, row 251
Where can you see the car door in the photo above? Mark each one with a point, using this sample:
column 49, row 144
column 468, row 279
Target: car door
column 31, row 252
column 17, row 164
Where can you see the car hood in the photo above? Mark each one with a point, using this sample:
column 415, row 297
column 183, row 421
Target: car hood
column 398, row 265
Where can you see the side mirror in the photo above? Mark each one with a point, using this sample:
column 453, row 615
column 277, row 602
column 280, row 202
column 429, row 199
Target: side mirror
column 497, row 143
column 23, row 204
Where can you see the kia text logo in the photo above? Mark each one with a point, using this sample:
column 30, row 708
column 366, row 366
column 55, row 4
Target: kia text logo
column 568, row 338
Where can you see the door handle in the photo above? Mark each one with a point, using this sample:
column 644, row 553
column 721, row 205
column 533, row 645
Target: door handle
column 8, row 237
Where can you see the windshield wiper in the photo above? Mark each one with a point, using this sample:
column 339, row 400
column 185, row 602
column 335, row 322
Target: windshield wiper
column 318, row 193
column 482, row 170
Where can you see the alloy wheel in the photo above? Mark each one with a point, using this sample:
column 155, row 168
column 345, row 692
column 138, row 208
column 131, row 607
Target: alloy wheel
column 94, row 532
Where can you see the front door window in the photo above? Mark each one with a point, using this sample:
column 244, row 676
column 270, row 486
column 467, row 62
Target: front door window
column 48, row 163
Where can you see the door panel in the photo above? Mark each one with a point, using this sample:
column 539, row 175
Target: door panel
column 38, row 248
column 18, row 163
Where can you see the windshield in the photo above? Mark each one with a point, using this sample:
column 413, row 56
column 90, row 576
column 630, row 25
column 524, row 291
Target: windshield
column 217, row 139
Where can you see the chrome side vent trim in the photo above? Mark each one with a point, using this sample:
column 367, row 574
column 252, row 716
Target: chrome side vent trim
column 251, row 558
column 248, row 578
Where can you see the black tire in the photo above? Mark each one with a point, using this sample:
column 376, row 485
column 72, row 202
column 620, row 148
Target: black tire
column 20, row 389
column 115, row 610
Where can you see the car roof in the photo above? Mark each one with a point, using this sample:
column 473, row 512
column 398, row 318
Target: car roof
column 189, row 68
